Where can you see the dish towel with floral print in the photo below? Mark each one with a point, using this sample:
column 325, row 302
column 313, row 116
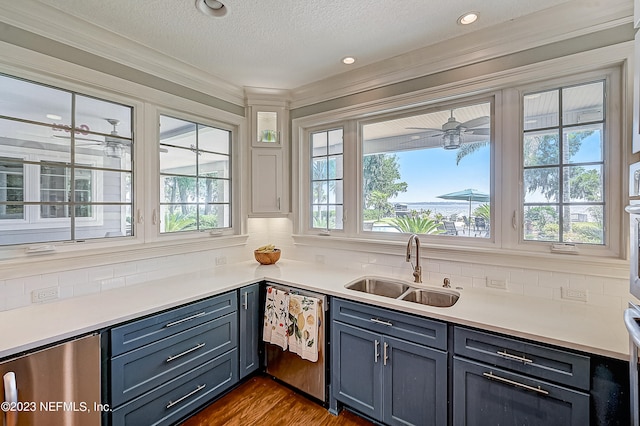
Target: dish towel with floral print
column 303, row 326
column 276, row 317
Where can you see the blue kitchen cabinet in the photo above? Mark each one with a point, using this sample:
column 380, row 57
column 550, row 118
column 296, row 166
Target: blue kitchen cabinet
column 503, row 381
column 396, row 381
column 249, row 329
column 163, row 367
column 356, row 370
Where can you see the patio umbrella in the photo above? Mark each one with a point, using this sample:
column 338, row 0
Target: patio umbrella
column 467, row 195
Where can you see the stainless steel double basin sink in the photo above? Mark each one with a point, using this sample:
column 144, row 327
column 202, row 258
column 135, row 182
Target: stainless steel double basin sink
column 401, row 290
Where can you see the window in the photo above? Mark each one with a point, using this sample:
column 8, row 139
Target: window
column 563, row 159
column 429, row 172
column 327, row 179
column 11, row 189
column 65, row 165
column 195, row 176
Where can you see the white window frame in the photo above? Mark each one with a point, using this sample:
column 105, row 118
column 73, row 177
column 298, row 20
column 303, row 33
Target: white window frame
column 234, row 180
column 506, row 247
column 612, row 170
column 146, row 102
column 310, row 162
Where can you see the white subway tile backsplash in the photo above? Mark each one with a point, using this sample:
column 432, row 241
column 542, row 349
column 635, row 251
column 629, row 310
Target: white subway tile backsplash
column 135, row 279
column 14, row 288
column 100, row 273
column 73, row 277
column 112, row 283
column 557, row 280
column 536, row 291
column 17, row 301
column 592, row 284
column 88, row 288
column 523, row 277
column 15, row 293
column 124, row 269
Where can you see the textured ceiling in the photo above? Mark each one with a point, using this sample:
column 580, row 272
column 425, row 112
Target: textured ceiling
column 289, row 43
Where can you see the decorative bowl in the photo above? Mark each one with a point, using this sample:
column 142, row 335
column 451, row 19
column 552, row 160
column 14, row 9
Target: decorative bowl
column 267, row 258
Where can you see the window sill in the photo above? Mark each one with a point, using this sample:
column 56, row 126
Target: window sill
column 556, row 262
column 17, row 263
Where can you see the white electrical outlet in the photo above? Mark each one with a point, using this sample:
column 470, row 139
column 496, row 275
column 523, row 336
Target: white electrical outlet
column 498, row 283
column 45, row 294
column 221, row 260
column 576, row 294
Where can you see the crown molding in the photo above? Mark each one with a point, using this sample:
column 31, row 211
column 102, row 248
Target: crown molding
column 56, row 25
column 563, row 22
column 267, row 96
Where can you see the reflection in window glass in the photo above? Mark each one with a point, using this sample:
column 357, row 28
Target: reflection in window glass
column 327, row 179
column 195, row 176
column 564, row 182
column 65, row 165
column 429, row 173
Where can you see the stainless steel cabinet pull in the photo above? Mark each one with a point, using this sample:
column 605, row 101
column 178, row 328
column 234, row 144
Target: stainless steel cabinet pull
column 179, row 400
column 377, row 321
column 195, row 348
column 199, row 314
column 491, row 376
column 386, row 345
column 515, row 357
column 245, row 303
column 377, row 351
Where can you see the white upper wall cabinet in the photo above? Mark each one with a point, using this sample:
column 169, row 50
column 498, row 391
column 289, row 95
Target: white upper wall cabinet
column 269, row 147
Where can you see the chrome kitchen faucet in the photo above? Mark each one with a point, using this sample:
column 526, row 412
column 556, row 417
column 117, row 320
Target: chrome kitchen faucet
column 417, row 269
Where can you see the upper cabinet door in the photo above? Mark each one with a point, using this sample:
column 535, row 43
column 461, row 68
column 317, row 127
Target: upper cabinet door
column 268, row 126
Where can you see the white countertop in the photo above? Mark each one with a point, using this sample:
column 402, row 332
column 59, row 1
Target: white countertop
column 585, row 328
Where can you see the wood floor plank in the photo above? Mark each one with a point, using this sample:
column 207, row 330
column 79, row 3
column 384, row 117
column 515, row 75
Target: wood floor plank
column 263, row 401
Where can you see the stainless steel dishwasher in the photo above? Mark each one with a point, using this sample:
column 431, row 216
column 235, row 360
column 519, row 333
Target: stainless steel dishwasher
column 59, row 385
column 306, row 376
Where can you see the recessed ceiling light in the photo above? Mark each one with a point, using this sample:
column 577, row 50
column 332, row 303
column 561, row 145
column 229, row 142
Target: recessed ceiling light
column 54, row 117
column 468, row 18
column 348, row 60
column 211, row 7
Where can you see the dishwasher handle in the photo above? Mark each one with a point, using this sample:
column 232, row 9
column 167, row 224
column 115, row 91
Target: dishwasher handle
column 10, row 396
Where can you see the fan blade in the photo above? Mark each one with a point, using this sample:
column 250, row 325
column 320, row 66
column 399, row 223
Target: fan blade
column 476, row 122
column 479, row 131
column 79, row 139
column 425, row 128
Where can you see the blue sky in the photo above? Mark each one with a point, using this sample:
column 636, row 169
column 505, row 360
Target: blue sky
column 433, row 172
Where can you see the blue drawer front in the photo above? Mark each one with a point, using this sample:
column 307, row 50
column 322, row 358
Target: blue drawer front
column 145, row 368
column 397, row 324
column 177, row 398
column 142, row 332
column 566, row 368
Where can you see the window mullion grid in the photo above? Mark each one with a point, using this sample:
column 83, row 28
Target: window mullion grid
column 72, row 186
column 561, row 182
column 197, row 176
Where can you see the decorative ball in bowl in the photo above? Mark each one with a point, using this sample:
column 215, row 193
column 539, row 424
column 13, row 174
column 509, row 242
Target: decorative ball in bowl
column 267, row 256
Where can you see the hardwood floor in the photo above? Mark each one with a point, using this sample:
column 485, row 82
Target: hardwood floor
column 262, row 401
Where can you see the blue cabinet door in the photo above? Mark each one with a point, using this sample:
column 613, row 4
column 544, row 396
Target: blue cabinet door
column 485, row 395
column 415, row 384
column 356, row 369
column 249, row 329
